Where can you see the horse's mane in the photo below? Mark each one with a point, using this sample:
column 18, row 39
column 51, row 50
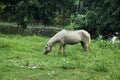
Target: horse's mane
column 55, row 38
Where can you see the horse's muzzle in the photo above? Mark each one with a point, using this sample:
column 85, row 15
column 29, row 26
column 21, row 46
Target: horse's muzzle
column 45, row 52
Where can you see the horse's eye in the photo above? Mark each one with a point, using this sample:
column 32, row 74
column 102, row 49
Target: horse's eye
column 45, row 46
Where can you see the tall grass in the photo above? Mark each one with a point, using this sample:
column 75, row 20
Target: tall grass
column 21, row 58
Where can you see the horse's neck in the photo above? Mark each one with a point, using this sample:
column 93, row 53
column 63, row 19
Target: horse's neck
column 57, row 36
column 52, row 41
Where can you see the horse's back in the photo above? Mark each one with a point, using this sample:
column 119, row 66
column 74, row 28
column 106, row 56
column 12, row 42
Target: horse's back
column 84, row 35
column 71, row 37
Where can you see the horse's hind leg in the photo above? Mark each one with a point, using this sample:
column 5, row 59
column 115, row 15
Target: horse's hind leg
column 85, row 47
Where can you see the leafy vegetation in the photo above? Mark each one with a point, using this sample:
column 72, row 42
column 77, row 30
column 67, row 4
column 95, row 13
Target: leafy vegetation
column 21, row 58
column 26, row 12
column 100, row 17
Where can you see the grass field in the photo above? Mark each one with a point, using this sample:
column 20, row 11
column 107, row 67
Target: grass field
column 21, row 58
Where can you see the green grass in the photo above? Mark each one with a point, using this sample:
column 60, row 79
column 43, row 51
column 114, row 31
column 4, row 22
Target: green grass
column 21, row 58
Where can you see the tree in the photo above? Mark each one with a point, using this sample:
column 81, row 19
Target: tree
column 102, row 16
column 25, row 12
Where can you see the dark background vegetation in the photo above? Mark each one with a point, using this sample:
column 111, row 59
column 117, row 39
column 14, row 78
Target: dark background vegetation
column 99, row 17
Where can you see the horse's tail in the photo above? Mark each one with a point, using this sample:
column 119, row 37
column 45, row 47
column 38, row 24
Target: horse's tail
column 89, row 38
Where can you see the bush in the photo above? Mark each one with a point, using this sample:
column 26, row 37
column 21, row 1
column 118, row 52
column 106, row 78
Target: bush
column 109, row 45
column 85, row 22
column 79, row 21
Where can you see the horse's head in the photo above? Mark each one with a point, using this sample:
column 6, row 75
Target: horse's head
column 48, row 48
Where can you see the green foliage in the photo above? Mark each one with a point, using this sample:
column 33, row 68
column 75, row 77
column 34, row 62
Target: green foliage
column 98, row 17
column 101, row 67
column 103, row 44
column 87, row 22
column 103, row 16
column 79, row 21
column 21, row 58
column 109, row 45
column 26, row 12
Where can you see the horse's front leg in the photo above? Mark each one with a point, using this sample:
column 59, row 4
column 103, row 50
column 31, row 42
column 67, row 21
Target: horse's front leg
column 64, row 49
column 60, row 48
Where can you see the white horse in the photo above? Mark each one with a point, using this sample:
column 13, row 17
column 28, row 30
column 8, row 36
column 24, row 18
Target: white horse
column 68, row 37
